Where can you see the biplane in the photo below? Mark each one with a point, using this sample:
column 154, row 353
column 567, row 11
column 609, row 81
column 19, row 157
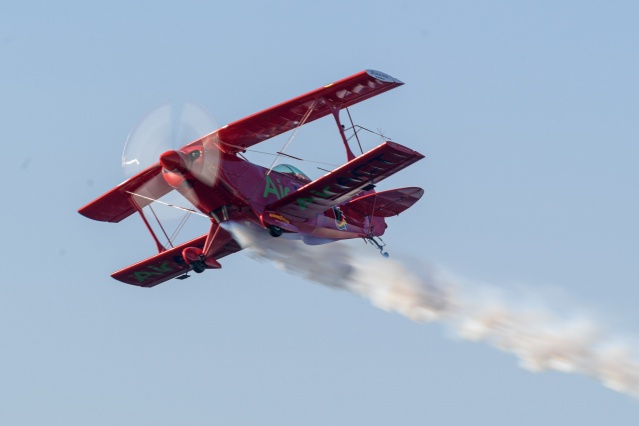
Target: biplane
column 213, row 175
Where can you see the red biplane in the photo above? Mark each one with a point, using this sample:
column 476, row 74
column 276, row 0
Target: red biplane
column 212, row 174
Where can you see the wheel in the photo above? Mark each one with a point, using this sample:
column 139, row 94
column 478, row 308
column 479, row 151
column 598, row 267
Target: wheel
column 275, row 231
column 385, row 254
column 198, row 266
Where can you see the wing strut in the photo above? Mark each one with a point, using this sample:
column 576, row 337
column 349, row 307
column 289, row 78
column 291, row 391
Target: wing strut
column 159, row 245
column 354, row 131
column 349, row 154
column 157, row 219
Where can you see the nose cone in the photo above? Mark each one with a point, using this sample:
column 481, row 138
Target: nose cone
column 173, row 161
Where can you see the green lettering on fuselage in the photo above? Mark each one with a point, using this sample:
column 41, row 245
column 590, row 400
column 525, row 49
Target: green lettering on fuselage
column 271, row 188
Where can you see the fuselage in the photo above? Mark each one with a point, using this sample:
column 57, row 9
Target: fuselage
column 226, row 187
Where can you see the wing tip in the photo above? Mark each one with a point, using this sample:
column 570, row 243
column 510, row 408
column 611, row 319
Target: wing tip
column 381, row 76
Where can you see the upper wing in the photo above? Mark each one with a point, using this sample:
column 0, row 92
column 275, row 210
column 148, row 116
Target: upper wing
column 286, row 116
column 344, row 182
column 119, row 203
column 168, row 264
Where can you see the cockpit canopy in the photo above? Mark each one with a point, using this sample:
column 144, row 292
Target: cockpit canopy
column 287, row 169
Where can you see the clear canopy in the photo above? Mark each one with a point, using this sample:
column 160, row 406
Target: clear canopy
column 291, row 170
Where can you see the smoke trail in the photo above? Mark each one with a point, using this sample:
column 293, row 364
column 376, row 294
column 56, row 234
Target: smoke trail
column 540, row 339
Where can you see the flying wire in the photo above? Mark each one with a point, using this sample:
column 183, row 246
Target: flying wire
column 180, row 226
column 301, row 123
column 297, row 158
column 161, row 227
column 168, row 204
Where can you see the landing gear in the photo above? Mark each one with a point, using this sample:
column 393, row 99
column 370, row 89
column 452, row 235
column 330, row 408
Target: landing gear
column 195, row 258
column 275, row 231
column 379, row 245
column 198, row 266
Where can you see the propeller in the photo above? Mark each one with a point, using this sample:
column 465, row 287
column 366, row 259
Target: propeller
column 167, row 127
column 171, row 133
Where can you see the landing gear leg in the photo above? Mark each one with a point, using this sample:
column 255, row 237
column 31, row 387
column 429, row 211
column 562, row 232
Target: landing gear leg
column 379, row 245
column 202, row 259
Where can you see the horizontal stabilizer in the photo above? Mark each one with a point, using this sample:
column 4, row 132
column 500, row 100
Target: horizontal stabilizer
column 119, row 203
column 359, row 174
column 386, row 203
column 168, row 264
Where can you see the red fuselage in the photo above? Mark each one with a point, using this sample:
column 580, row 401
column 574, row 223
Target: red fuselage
column 212, row 180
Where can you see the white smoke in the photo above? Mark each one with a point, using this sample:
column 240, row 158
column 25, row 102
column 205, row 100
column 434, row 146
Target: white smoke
column 540, row 339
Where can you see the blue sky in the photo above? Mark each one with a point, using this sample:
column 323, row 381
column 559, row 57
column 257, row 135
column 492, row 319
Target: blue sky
column 526, row 112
